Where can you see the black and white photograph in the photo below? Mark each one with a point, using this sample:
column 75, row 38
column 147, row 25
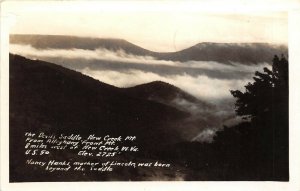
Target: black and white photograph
column 155, row 92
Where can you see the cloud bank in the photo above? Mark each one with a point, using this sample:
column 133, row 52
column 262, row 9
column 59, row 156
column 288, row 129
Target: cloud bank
column 209, row 81
column 201, row 86
column 121, row 56
column 203, row 79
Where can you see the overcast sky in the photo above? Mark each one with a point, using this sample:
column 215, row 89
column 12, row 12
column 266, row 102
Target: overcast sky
column 155, row 26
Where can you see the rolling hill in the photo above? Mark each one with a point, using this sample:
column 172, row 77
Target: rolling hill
column 168, row 94
column 48, row 98
column 45, row 95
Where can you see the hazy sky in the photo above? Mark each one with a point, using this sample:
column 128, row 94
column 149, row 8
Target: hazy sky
column 156, row 26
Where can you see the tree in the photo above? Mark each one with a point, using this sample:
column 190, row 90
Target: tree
column 260, row 144
column 268, row 90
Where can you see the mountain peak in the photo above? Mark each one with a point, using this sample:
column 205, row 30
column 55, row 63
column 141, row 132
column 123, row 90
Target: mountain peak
column 160, row 91
column 158, row 83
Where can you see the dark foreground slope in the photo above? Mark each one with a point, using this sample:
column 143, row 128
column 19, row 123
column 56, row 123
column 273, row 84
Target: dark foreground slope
column 47, row 95
column 48, row 98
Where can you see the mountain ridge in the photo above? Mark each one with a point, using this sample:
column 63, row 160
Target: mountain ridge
column 48, row 98
column 59, row 97
column 205, row 51
column 165, row 93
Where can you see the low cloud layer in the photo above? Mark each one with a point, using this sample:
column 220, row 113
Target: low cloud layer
column 123, row 57
column 200, row 86
column 209, row 81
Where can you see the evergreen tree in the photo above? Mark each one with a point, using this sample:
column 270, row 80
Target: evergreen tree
column 260, row 144
column 268, row 90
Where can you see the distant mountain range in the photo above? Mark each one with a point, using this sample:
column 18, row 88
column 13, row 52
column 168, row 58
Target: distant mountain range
column 206, row 51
